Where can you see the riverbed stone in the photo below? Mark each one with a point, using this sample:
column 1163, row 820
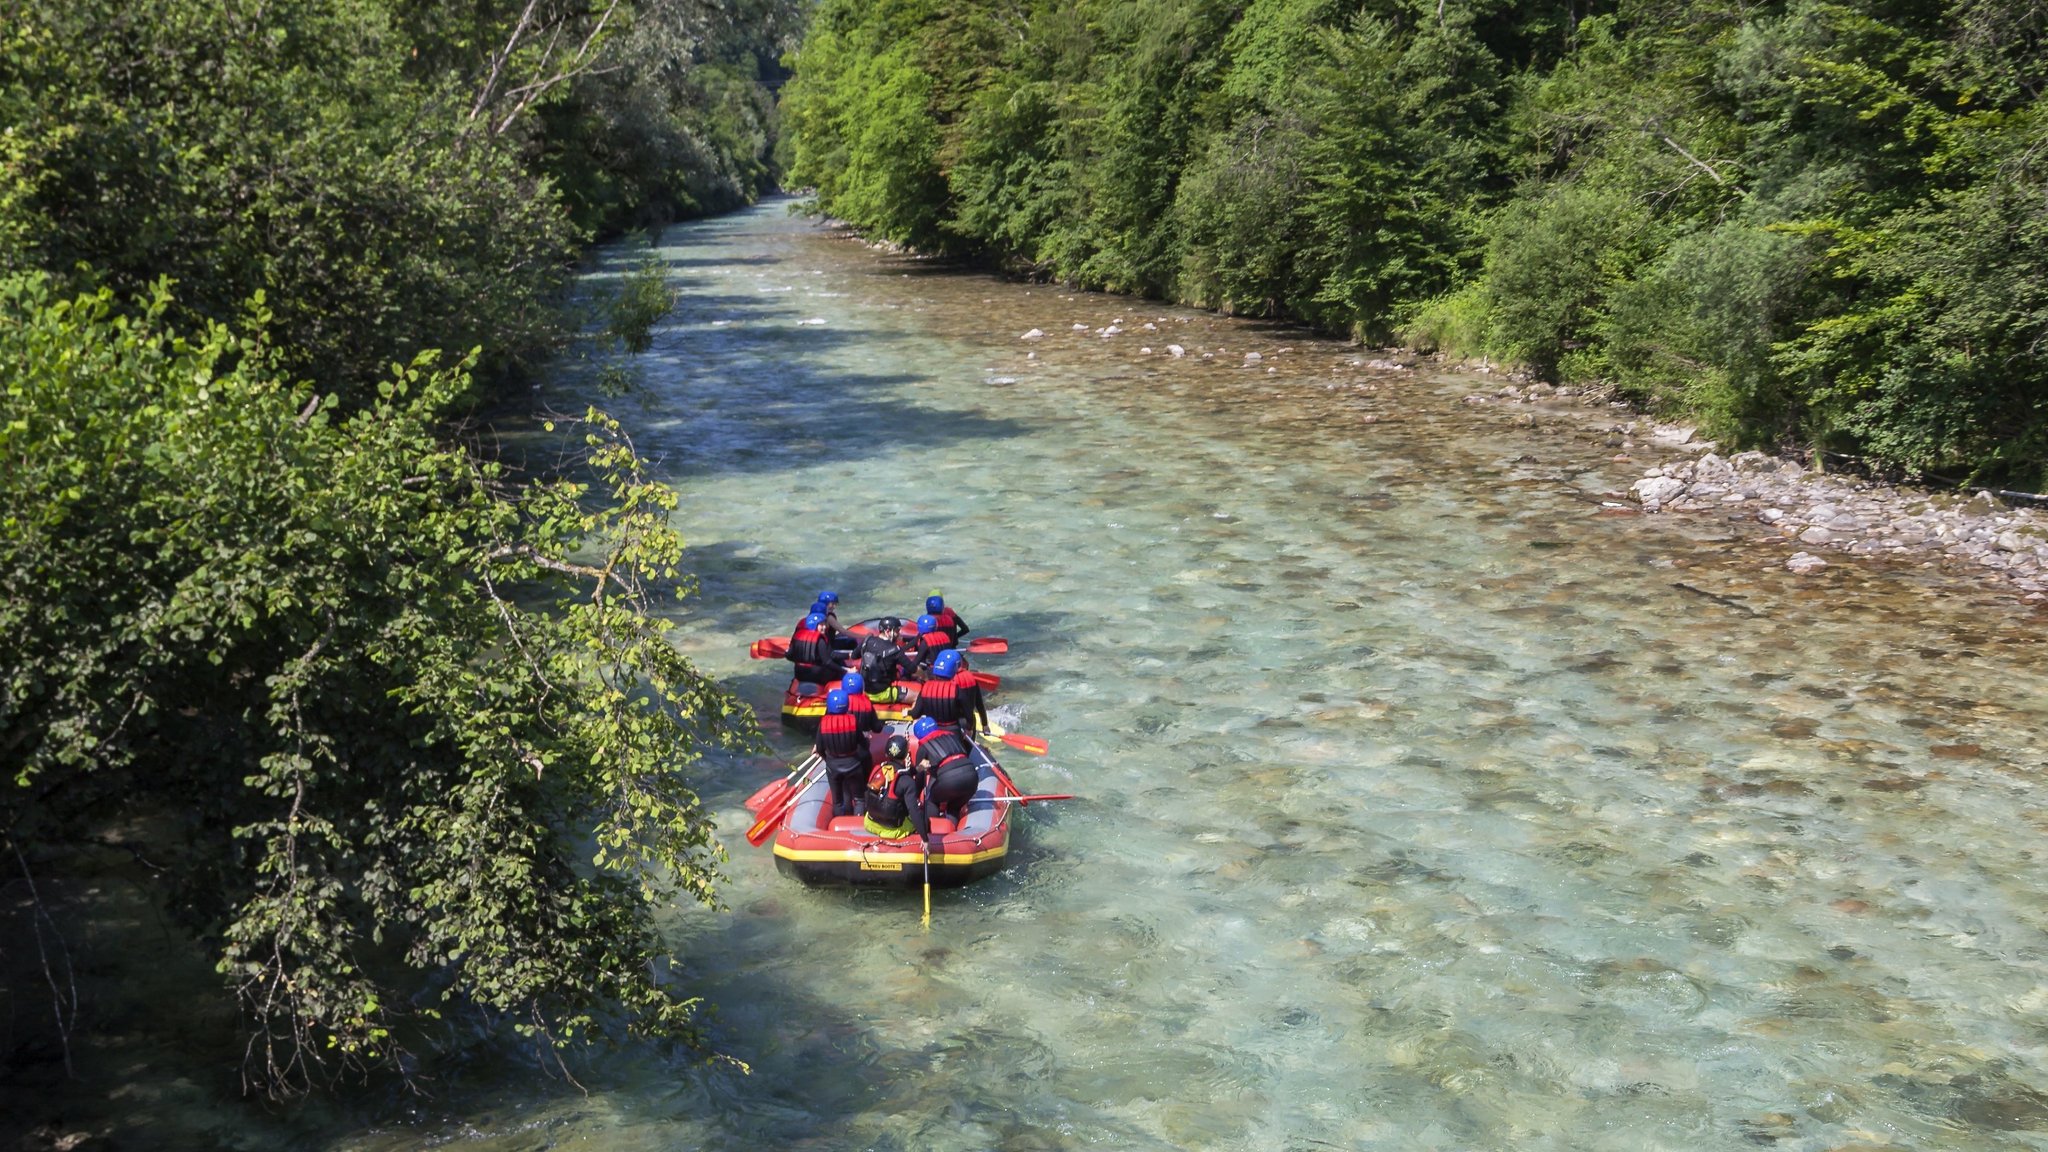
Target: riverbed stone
column 1034, row 334
column 1176, row 351
column 1805, row 562
column 1816, row 535
column 1655, row 491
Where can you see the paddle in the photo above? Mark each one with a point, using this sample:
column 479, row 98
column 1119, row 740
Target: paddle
column 758, row 834
column 1026, row 800
column 783, row 787
column 987, row 646
column 769, row 648
column 927, row 885
column 1032, row 744
column 985, row 679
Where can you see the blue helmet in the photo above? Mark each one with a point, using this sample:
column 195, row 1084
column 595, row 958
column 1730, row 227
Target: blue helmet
column 945, row 664
column 934, row 604
column 852, row 682
column 814, row 620
column 927, row 623
column 828, row 597
column 924, row 727
column 820, row 607
column 835, row 702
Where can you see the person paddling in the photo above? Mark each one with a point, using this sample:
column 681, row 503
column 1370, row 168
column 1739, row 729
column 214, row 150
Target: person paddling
column 811, row 651
column 943, row 757
column 950, row 699
column 828, row 606
column 949, row 621
column 844, row 748
column 931, row 640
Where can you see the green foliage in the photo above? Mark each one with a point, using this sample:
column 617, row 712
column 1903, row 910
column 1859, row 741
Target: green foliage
column 422, row 740
column 1810, row 219
column 401, row 726
column 643, row 299
column 394, row 178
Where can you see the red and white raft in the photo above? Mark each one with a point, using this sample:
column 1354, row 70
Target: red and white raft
column 817, row 848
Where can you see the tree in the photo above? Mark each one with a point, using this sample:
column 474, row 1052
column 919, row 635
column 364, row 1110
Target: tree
column 403, row 727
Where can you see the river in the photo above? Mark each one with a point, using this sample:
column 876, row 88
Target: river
column 1427, row 804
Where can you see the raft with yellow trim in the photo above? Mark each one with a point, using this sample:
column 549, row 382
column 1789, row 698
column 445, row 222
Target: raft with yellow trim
column 817, row 848
column 804, row 704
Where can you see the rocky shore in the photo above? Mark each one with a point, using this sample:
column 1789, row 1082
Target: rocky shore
column 1823, row 512
column 1817, row 513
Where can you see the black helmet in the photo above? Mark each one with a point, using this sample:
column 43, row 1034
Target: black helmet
column 891, row 624
column 897, row 747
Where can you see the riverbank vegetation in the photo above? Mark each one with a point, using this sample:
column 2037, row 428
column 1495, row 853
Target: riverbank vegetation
column 1803, row 221
column 395, row 729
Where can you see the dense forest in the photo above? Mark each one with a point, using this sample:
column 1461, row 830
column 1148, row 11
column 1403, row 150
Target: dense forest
column 393, row 730
column 1801, row 222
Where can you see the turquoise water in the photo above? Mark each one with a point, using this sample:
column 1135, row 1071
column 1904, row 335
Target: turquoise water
column 1422, row 808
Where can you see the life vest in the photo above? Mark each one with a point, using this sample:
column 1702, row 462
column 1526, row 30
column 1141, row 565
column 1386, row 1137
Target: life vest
column 930, row 644
column 862, row 708
column 840, row 740
column 888, row 809
column 950, row 622
column 809, row 646
column 942, row 748
column 881, row 661
column 940, row 700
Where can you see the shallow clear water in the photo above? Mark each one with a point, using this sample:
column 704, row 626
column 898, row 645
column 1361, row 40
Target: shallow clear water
column 1424, row 808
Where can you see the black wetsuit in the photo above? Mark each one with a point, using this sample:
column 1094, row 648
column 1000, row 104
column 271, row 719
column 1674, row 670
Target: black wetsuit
column 929, row 645
column 945, row 758
column 954, row 703
column 883, row 662
column 845, row 749
column 951, row 624
column 811, row 652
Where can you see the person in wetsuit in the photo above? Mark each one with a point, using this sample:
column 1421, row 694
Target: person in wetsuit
column 951, row 697
column 811, row 652
column 895, row 803
column 931, row 640
column 844, row 748
column 949, row 621
column 858, row 703
column 828, row 606
column 882, row 659
column 945, row 759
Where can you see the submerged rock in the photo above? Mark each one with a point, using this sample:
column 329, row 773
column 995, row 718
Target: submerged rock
column 1805, row 562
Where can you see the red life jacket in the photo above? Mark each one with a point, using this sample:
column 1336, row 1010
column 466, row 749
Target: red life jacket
column 942, row 747
column 809, row 646
column 930, row 644
column 949, row 621
column 840, row 738
column 940, row 700
column 857, row 702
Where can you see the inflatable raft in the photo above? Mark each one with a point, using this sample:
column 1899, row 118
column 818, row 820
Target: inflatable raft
column 803, row 704
column 817, row 848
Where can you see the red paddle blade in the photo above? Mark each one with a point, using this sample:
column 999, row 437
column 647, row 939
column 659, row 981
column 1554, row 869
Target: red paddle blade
column 1026, row 800
column 768, row 648
column 1028, row 743
column 768, row 795
column 988, row 646
column 985, row 679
